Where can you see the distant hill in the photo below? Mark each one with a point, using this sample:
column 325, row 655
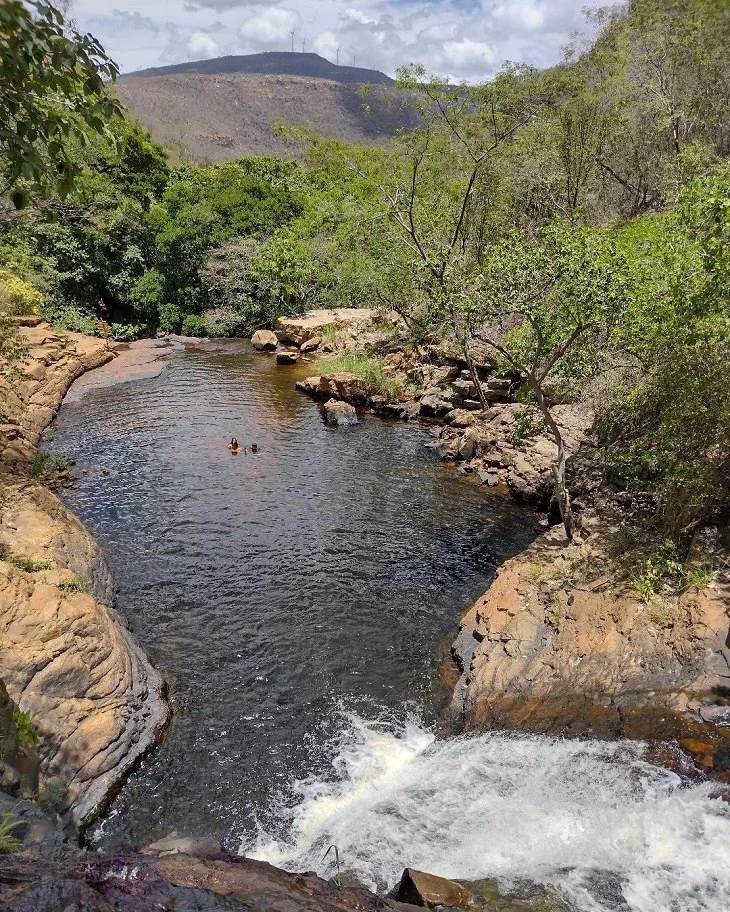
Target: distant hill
column 218, row 110
column 272, row 63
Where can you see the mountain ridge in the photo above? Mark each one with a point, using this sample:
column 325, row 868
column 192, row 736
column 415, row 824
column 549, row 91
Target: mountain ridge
column 271, row 63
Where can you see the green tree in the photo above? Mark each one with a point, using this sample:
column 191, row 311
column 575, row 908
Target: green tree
column 547, row 304
column 53, row 91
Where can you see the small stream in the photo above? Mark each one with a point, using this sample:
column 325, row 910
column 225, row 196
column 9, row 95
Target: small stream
column 296, row 601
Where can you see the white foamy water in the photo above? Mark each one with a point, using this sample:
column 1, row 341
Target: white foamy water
column 612, row 831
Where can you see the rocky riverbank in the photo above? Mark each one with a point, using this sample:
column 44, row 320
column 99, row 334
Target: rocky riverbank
column 67, row 657
column 561, row 642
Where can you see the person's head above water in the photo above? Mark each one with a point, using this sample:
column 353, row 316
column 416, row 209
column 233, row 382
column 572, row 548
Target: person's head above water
column 233, row 444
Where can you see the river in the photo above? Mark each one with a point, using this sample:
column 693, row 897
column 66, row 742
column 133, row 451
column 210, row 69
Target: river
column 295, row 600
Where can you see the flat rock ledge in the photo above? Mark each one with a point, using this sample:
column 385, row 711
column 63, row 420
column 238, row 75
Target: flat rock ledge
column 65, row 654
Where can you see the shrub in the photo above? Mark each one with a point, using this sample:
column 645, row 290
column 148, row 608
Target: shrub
column 193, row 325
column 51, row 796
column 44, row 465
column 28, row 564
column 528, row 423
column 170, row 317
column 18, row 296
column 75, row 584
column 9, row 842
column 72, row 319
column 27, row 732
column 367, row 368
column 127, row 332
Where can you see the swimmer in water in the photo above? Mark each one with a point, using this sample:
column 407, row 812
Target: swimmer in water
column 233, row 445
column 254, row 447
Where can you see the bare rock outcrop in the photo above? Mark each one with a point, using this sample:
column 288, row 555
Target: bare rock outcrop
column 556, row 645
column 33, row 391
column 314, row 323
column 65, row 654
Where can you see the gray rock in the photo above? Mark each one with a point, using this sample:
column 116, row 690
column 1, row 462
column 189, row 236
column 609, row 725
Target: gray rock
column 287, row 356
column 433, row 406
column 340, row 414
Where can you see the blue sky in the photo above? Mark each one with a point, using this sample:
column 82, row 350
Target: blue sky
column 461, row 39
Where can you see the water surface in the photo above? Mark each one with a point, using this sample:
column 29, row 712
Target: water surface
column 272, row 590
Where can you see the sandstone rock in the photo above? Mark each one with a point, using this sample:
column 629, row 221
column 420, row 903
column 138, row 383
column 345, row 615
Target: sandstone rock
column 421, row 889
column 460, row 418
column 465, row 388
column 9, row 779
column 340, row 414
column 311, row 344
column 264, row 340
column 299, row 330
column 552, row 655
column 68, row 657
column 344, row 385
column 472, row 405
column 466, row 447
column 288, row 356
column 309, row 385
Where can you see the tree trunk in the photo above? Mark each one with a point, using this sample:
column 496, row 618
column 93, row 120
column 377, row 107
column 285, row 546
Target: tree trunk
column 562, row 494
column 461, row 336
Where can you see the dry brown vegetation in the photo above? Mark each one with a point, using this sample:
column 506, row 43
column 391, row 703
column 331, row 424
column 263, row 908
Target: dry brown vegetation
column 216, row 118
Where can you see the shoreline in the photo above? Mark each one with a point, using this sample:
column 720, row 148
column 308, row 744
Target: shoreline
column 68, row 656
column 555, row 645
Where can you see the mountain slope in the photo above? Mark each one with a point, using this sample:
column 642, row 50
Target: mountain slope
column 218, row 110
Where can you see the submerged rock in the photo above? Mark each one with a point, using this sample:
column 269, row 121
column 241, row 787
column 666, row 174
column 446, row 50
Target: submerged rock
column 287, row 356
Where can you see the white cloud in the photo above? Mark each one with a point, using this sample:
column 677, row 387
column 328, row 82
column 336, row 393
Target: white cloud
column 201, row 46
column 466, row 55
column 268, row 28
column 464, row 39
column 358, row 16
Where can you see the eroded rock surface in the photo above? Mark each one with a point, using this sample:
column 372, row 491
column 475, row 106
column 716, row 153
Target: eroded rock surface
column 556, row 645
column 65, row 655
column 32, row 394
column 312, row 324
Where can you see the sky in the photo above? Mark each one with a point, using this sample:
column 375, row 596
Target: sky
column 461, row 39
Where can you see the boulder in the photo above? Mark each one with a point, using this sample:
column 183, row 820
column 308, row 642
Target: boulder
column 344, row 385
column 311, row 344
column 466, row 447
column 339, row 414
column 461, row 418
column 421, row 889
column 313, row 323
column 433, row 406
column 310, row 385
column 464, row 388
column 287, row 356
column 264, row 340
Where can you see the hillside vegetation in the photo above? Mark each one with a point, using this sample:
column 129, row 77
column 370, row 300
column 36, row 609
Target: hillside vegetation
column 216, row 118
column 574, row 221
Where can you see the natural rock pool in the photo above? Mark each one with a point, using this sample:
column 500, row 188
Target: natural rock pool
column 272, row 590
column 295, row 600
